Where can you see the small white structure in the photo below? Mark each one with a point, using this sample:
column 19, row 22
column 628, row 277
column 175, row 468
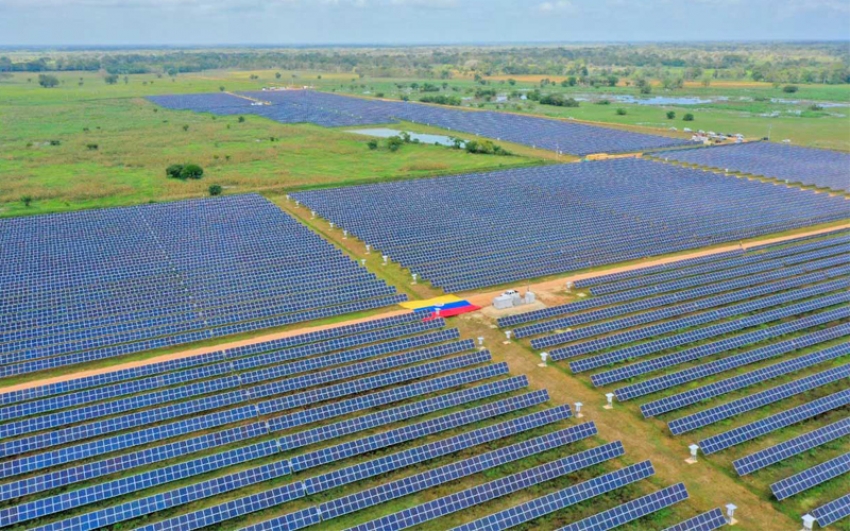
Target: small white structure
column 298, row 203
column 415, row 276
column 513, row 299
column 363, row 262
column 385, row 257
column 543, row 357
column 287, row 197
column 332, row 224
column 693, row 458
column 312, row 214
column 345, row 235
column 570, row 285
column 508, row 334
column 730, row 513
column 368, row 248
column 481, row 341
column 808, row 522
column 610, row 397
column 436, row 311
column 579, row 414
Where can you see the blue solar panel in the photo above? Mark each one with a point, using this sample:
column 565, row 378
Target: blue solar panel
column 774, row 422
column 758, row 400
column 813, row 476
column 704, row 370
column 489, row 491
column 809, row 166
column 709, row 521
column 829, row 513
column 560, row 238
column 560, row 499
column 797, row 445
column 632, row 510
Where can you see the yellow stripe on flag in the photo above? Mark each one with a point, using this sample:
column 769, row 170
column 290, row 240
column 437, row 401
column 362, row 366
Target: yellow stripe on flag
column 436, row 301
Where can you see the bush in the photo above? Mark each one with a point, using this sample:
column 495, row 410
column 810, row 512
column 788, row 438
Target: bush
column 394, row 143
column 191, row 171
column 174, row 171
column 671, row 115
column 688, row 117
column 241, row 119
column 111, row 79
column 48, row 81
column 26, row 200
column 440, row 99
column 558, row 100
column 92, row 147
column 603, row 102
column 55, row 142
column 215, row 189
column 790, row 89
column 646, row 89
column 621, row 112
column 373, row 144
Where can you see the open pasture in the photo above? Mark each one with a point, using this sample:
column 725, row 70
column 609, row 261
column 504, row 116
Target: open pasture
column 744, row 354
column 136, row 140
column 95, row 285
column 471, row 231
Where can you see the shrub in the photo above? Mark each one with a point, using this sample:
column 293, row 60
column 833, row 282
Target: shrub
column 26, row 200
column 394, row 143
column 215, row 189
column 621, row 112
column 241, row 119
column 174, row 171
column 373, row 144
column 111, row 79
column 558, row 100
column 790, row 89
column 55, row 142
column 191, row 171
column 688, row 117
column 671, row 115
column 48, row 81
column 186, row 127
column 440, row 99
column 92, row 147
column 646, row 89
column 603, row 102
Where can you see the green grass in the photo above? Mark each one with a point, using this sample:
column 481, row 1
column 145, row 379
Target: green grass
column 137, row 140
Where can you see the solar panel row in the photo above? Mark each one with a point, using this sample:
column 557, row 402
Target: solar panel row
column 628, row 512
column 709, row 521
column 813, row 476
column 831, row 512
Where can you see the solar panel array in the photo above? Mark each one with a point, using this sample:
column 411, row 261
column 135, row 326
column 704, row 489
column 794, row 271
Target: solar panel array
column 103, row 283
column 532, row 222
column 333, row 110
column 628, row 512
column 777, row 311
column 709, row 521
column 809, row 166
column 219, row 437
column 833, row 511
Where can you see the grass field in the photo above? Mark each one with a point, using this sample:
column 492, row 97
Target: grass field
column 136, row 140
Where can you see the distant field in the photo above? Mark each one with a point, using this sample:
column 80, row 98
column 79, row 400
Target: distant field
column 136, row 141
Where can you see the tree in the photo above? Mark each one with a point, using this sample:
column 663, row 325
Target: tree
column 671, row 115
column 221, row 88
column 241, row 119
column 47, row 80
column 26, row 200
column 646, row 89
column 621, row 112
column 174, row 171
column 277, row 75
column 511, row 81
column 111, row 79
column 185, row 127
column 790, row 89
column 215, row 189
column 688, row 117
column 394, row 143
column 191, row 171
column 373, row 144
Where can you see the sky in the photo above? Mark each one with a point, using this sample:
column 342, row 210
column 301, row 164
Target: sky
column 306, row 22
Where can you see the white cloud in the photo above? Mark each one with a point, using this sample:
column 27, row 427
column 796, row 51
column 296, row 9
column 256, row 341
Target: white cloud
column 560, row 6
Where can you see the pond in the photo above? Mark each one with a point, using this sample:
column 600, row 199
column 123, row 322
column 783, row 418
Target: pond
column 382, row 132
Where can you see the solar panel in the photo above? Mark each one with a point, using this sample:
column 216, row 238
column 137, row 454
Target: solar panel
column 561, row 499
column 632, row 510
column 829, row 513
column 489, row 491
column 440, row 475
column 404, row 458
column 758, row 400
column 709, row 521
column 797, row 445
column 813, row 476
column 704, row 370
column 774, row 422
